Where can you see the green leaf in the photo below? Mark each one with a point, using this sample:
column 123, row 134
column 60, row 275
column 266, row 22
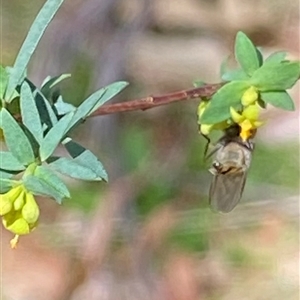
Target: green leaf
column 3, row 81
column 54, row 136
column 280, row 99
column 259, row 56
column 15, row 139
column 9, row 162
column 5, row 182
column 50, row 82
column 235, row 75
column 246, row 53
column 85, row 158
column 63, row 107
column 219, row 107
column 276, row 57
column 73, row 148
column 30, row 115
column 74, row 169
column 94, row 101
column 31, row 41
column 110, row 91
column 46, row 112
column 45, row 182
column 89, row 160
column 198, row 83
column 276, row 76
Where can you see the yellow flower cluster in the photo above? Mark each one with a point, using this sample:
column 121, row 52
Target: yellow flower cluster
column 19, row 212
column 247, row 119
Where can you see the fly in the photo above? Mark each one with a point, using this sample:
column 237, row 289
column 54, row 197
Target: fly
column 232, row 158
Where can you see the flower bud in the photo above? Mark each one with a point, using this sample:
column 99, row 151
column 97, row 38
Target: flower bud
column 5, row 205
column 236, row 117
column 250, row 96
column 18, row 226
column 206, row 128
column 251, row 112
column 14, row 193
column 30, row 211
column 19, row 202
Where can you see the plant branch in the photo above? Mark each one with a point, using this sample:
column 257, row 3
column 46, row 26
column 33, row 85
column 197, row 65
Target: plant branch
column 153, row 101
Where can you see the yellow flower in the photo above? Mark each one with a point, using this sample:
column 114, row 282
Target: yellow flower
column 247, row 120
column 201, row 108
column 250, row 96
column 19, row 212
column 30, row 211
column 5, row 205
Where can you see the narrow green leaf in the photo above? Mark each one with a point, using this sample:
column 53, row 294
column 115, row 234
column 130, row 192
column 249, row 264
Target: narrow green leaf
column 246, row 53
column 54, row 136
column 15, row 139
column 219, row 108
column 276, row 76
column 45, row 182
column 235, row 75
column 46, row 112
column 3, row 81
column 198, row 83
column 74, row 169
column 9, row 162
column 31, row 41
column 259, row 56
column 85, row 158
column 94, row 101
column 276, row 57
column 280, row 99
column 29, row 112
column 73, row 148
column 51, row 82
column 5, row 182
column 63, row 107
column 111, row 91
column 89, row 160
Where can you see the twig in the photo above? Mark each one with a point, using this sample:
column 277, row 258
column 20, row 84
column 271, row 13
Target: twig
column 154, row 101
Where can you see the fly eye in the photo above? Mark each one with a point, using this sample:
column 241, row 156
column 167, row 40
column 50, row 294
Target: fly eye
column 217, row 165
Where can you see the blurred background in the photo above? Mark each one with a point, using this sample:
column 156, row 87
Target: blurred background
column 149, row 233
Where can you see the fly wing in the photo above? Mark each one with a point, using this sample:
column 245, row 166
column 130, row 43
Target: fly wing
column 226, row 191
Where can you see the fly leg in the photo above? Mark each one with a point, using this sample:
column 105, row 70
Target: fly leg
column 206, row 145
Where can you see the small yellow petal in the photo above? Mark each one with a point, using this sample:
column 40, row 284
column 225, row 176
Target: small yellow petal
column 205, row 129
column 5, row 205
column 258, row 123
column 246, row 130
column 251, row 112
column 30, row 211
column 250, row 96
column 19, row 226
column 13, row 193
column 236, row 117
column 20, row 201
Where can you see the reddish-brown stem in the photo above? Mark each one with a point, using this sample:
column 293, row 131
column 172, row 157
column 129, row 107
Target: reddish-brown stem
column 153, row 101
